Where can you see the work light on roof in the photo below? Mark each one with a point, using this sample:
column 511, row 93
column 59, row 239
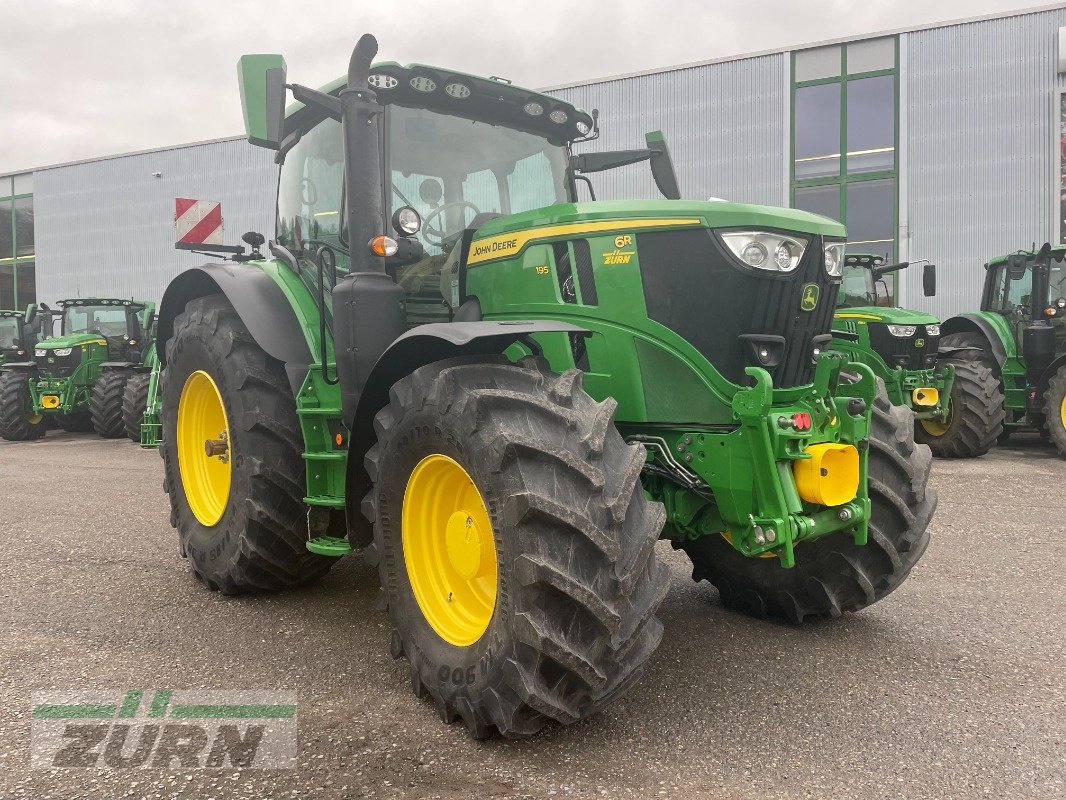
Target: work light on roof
column 460, row 91
column 582, row 127
column 382, row 81
column 424, row 84
column 533, row 108
column 558, row 116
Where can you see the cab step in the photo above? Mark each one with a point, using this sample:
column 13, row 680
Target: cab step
column 329, row 546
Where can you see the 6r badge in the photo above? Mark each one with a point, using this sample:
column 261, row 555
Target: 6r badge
column 809, row 298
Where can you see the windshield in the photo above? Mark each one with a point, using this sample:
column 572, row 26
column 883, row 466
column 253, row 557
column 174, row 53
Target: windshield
column 856, row 287
column 108, row 321
column 450, row 169
column 9, row 332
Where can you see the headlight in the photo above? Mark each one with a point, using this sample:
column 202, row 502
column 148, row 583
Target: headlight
column 406, row 221
column 902, row 331
column 773, row 252
column 62, row 351
column 834, row 258
column 40, row 353
column 932, row 330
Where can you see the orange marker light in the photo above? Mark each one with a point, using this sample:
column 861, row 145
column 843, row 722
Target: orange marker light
column 339, row 439
column 383, row 246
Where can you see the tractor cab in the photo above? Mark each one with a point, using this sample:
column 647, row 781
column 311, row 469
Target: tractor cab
column 120, row 326
column 19, row 332
column 1010, row 292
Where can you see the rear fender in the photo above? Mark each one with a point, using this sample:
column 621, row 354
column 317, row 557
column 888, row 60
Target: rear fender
column 421, row 345
column 1000, row 343
column 258, row 300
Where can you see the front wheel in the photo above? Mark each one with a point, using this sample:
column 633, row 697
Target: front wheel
column 233, row 456
column 832, row 574
column 105, row 403
column 975, row 414
column 18, row 423
column 514, row 542
column 1055, row 411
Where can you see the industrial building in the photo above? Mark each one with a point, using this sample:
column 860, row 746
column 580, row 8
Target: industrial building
column 943, row 142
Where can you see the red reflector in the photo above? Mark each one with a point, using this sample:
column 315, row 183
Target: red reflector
column 802, row 421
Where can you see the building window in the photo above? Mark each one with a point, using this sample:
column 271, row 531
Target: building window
column 17, row 266
column 845, row 101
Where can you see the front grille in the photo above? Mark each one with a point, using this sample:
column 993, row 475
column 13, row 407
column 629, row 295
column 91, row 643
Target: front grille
column 51, row 365
column 694, row 287
column 900, row 351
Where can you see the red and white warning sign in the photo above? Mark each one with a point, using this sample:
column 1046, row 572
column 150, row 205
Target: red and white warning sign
column 198, row 221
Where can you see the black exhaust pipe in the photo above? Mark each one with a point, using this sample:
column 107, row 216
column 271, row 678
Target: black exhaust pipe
column 368, row 305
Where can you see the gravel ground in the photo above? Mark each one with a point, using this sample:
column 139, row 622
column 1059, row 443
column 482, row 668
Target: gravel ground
column 951, row 687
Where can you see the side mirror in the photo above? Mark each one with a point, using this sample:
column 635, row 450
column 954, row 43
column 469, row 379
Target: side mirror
column 929, row 280
column 254, row 239
column 262, row 82
column 31, row 314
column 662, row 168
column 1016, row 265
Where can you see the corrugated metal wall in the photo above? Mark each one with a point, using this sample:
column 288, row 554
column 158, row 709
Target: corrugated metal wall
column 107, row 227
column 982, row 148
column 725, row 123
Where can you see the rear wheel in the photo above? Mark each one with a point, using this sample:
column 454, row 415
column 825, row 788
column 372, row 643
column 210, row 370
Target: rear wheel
column 832, row 574
column 514, row 542
column 1055, row 410
column 18, row 423
column 134, row 404
column 105, row 403
column 975, row 415
column 238, row 511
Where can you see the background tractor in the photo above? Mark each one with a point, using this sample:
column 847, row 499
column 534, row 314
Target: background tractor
column 506, row 394
column 1020, row 335
column 955, row 397
column 19, row 333
column 78, row 378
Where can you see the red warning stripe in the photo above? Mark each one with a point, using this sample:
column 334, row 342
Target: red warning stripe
column 205, row 227
column 181, row 205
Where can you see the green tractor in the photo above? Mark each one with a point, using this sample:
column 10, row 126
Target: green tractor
column 505, row 395
column 1020, row 335
column 78, row 378
column 20, row 332
column 140, row 399
column 955, row 398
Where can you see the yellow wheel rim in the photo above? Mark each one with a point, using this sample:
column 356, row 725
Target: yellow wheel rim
column 449, row 550
column 202, row 419
column 1062, row 411
column 935, row 427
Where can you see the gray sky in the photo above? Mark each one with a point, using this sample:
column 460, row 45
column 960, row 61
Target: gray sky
column 84, row 78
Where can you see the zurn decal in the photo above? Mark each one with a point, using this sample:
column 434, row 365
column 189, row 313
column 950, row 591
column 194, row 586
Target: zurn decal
column 163, row 729
column 620, row 255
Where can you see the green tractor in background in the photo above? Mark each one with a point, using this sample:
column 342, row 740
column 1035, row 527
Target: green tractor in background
column 506, row 395
column 140, row 397
column 20, row 331
column 1020, row 335
column 78, row 378
column 955, row 398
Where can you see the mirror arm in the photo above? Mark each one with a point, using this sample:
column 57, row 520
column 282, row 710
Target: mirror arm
column 311, row 97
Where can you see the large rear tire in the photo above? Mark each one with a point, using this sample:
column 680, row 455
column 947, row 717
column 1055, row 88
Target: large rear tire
column 134, row 404
column 241, row 521
column 1055, row 411
column 832, row 574
column 105, row 403
column 560, row 614
column 975, row 417
column 18, row 423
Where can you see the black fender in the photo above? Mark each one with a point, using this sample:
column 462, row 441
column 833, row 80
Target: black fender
column 973, row 323
column 421, row 345
column 259, row 302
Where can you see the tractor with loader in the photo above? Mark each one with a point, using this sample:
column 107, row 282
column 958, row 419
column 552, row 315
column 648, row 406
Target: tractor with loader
column 955, row 397
column 504, row 394
column 1019, row 335
column 77, row 379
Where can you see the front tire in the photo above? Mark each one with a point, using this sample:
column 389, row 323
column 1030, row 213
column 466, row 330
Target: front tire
column 18, row 423
column 975, row 416
column 241, row 521
column 134, row 404
column 105, row 403
column 570, row 535
column 1055, row 411
column 833, row 575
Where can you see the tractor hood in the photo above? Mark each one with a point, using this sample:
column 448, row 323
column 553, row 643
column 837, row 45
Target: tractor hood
column 664, row 214
column 71, row 340
column 890, row 316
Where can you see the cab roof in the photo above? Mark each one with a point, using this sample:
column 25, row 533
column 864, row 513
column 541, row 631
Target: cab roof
column 1058, row 252
column 493, row 100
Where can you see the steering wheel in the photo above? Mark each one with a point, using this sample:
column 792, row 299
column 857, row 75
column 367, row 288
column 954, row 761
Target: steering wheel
column 437, row 236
